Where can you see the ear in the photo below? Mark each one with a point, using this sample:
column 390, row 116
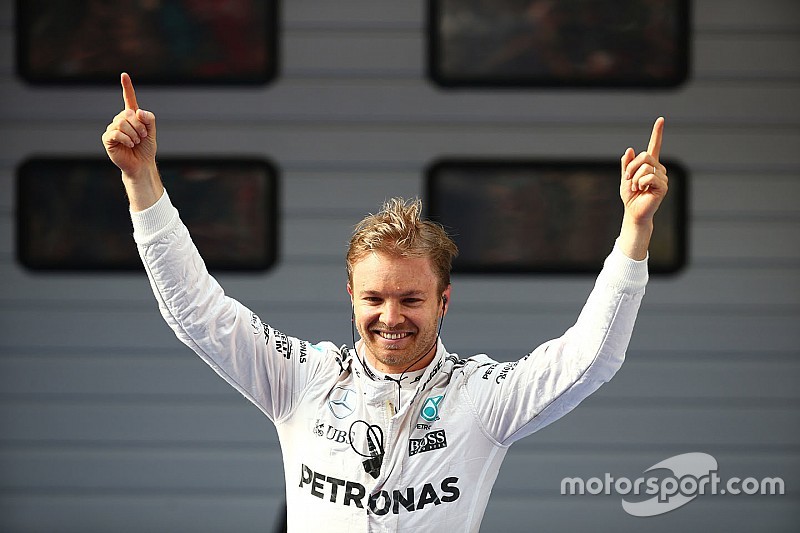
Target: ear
column 350, row 292
column 446, row 300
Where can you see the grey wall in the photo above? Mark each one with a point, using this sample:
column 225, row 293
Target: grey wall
column 107, row 423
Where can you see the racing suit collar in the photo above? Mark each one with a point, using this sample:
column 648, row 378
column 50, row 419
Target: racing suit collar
column 378, row 376
column 360, row 372
column 406, row 380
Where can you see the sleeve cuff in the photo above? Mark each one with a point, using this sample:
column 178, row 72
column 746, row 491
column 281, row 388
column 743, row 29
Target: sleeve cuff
column 621, row 271
column 152, row 223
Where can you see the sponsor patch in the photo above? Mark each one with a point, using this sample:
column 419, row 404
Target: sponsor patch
column 400, row 500
column 430, row 409
column 435, row 440
column 342, row 402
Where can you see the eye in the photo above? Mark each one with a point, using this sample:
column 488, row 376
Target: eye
column 371, row 299
column 412, row 301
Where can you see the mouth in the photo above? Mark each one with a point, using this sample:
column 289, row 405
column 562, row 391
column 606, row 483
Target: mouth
column 392, row 336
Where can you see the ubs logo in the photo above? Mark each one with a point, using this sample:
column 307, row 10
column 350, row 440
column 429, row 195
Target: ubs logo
column 342, row 402
column 331, row 433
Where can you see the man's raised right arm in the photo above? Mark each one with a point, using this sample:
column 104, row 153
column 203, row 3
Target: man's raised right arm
column 258, row 361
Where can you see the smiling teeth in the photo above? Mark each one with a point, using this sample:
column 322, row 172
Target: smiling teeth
column 392, row 336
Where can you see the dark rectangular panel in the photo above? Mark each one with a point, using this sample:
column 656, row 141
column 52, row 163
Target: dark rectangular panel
column 173, row 42
column 546, row 216
column 597, row 43
column 72, row 213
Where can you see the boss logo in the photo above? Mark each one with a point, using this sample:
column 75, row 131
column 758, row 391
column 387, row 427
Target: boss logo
column 434, row 440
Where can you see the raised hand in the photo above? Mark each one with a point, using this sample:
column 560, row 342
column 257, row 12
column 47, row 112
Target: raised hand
column 130, row 139
column 643, row 186
column 644, row 179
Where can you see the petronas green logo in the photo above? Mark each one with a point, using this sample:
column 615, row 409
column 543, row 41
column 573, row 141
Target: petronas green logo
column 430, row 409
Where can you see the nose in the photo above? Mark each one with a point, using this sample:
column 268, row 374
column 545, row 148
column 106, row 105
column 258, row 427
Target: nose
column 391, row 314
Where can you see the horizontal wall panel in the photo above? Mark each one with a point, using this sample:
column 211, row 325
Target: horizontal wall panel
column 351, row 54
column 715, row 194
column 240, row 422
column 140, row 469
column 757, row 240
column 319, row 13
column 750, row 56
column 358, row 191
column 715, row 379
column 184, row 377
column 762, row 288
column 113, row 376
column 662, row 425
column 192, row 423
column 732, row 15
column 133, row 513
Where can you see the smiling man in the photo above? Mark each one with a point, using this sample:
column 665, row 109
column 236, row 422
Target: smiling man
column 393, row 433
column 398, row 269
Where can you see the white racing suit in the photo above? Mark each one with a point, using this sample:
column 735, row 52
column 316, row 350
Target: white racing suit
column 351, row 463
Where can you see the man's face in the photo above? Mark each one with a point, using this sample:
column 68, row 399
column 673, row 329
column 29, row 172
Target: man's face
column 397, row 306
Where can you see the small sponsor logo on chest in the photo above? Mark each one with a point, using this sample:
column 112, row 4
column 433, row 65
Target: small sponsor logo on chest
column 342, row 402
column 434, row 440
column 321, row 429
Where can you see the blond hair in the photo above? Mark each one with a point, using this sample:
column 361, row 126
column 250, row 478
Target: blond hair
column 398, row 229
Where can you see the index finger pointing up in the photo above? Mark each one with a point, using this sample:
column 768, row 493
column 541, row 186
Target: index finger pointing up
column 654, row 148
column 128, row 94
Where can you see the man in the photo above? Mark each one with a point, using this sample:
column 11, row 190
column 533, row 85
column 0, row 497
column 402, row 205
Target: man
column 395, row 433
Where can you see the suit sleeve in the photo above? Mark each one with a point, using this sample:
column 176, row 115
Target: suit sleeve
column 512, row 400
column 269, row 368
